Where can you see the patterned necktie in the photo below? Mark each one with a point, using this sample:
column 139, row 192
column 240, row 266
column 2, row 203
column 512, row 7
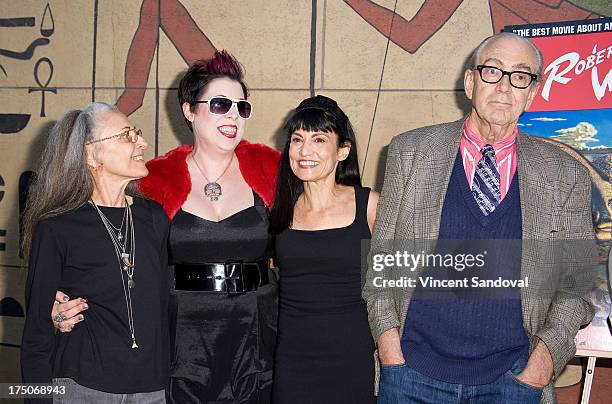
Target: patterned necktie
column 485, row 187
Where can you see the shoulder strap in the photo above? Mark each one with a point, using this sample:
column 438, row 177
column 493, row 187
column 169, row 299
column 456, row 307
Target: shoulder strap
column 257, row 200
column 362, row 194
column 261, row 208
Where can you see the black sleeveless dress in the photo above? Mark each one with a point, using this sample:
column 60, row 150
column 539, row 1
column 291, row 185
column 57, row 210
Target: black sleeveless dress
column 223, row 346
column 325, row 351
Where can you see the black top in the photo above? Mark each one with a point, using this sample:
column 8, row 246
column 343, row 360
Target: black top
column 321, row 269
column 222, row 348
column 74, row 253
column 241, row 236
column 325, row 351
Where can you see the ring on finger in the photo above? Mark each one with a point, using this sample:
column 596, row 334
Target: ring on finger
column 59, row 318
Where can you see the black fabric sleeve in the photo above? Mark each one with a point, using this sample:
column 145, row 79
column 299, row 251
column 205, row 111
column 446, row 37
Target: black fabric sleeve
column 161, row 225
column 44, row 275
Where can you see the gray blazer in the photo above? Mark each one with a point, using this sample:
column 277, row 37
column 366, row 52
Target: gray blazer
column 555, row 194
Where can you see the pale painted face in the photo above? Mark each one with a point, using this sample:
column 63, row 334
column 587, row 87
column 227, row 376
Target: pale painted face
column 116, row 158
column 221, row 131
column 501, row 104
column 314, row 156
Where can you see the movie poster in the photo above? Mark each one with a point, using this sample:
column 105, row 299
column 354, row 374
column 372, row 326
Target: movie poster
column 573, row 108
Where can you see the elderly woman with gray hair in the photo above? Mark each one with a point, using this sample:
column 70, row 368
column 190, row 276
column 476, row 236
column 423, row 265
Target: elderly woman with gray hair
column 87, row 232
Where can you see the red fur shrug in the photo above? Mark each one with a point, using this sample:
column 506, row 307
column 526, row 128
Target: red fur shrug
column 169, row 182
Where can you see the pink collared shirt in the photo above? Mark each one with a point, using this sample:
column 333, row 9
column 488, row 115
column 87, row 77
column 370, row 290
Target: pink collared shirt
column 505, row 156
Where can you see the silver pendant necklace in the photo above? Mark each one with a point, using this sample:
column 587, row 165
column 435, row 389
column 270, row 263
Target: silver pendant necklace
column 125, row 260
column 212, row 189
column 119, row 230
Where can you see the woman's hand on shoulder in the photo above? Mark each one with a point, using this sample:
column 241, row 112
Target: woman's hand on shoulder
column 372, row 206
column 66, row 313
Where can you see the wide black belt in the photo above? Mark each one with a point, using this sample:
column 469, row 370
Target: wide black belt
column 233, row 278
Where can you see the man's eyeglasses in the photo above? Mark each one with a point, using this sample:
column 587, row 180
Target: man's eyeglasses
column 518, row 79
column 221, row 105
column 128, row 133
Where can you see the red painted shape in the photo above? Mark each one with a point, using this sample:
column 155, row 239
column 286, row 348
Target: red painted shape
column 191, row 43
column 411, row 34
column 407, row 34
column 519, row 12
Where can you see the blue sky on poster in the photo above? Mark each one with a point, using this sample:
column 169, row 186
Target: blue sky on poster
column 583, row 129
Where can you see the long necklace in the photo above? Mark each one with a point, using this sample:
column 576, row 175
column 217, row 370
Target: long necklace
column 126, row 261
column 212, row 189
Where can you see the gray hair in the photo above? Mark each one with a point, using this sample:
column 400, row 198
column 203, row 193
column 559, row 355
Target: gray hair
column 63, row 181
column 510, row 35
column 86, row 122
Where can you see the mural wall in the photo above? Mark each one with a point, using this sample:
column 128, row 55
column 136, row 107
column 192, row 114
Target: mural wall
column 393, row 65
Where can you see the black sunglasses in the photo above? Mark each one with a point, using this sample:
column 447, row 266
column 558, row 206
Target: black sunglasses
column 221, row 105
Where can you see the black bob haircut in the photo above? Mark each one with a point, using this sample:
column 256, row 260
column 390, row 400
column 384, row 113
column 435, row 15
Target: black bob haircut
column 315, row 114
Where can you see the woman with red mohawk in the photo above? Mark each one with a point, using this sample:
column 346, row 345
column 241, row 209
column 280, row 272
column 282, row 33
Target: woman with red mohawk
column 217, row 193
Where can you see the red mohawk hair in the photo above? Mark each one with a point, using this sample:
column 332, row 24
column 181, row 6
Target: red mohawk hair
column 224, row 63
column 202, row 72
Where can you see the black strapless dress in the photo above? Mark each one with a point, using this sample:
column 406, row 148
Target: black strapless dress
column 325, row 351
column 222, row 350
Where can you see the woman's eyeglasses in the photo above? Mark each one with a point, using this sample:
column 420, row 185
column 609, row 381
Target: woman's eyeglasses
column 128, row 133
column 221, row 105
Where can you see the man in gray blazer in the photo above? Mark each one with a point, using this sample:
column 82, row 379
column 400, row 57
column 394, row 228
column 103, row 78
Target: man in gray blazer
column 481, row 178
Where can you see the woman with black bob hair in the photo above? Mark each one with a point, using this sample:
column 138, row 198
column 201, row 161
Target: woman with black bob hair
column 312, row 116
column 320, row 216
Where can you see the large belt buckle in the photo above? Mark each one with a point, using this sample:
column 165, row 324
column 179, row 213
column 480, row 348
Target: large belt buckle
column 218, row 276
column 234, row 278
